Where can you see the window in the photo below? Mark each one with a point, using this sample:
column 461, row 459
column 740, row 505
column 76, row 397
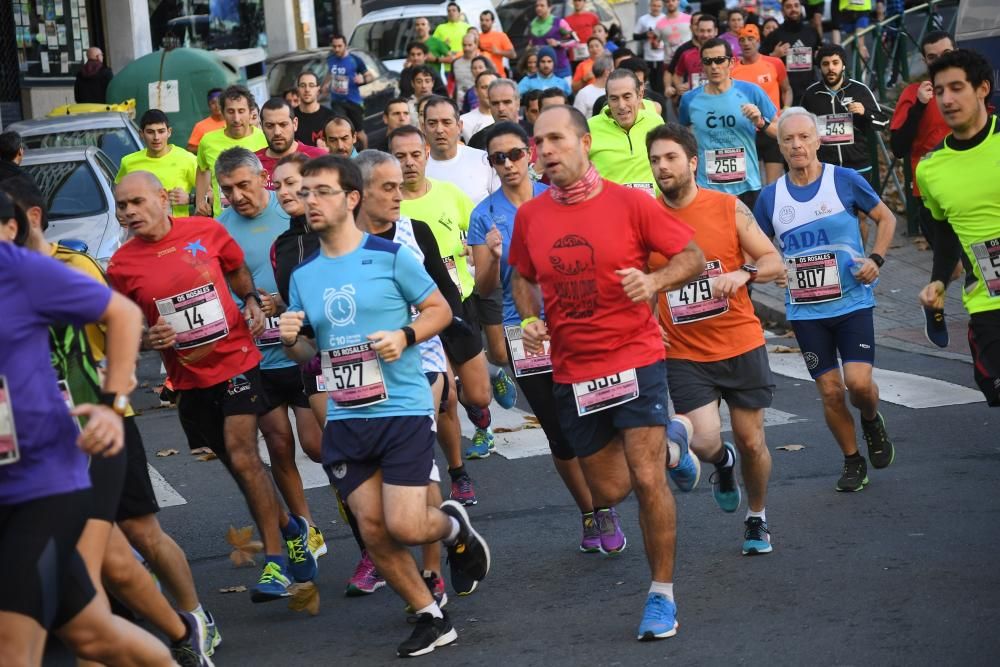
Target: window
column 115, row 141
column 70, row 189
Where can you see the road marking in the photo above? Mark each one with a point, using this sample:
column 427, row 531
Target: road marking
column 312, row 473
column 906, row 389
column 166, row 495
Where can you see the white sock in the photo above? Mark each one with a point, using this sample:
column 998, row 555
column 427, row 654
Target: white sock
column 197, row 611
column 453, row 533
column 760, row 515
column 433, row 609
column 673, row 453
column 663, row 588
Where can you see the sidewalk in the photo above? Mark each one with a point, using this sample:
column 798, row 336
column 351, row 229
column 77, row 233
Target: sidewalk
column 899, row 319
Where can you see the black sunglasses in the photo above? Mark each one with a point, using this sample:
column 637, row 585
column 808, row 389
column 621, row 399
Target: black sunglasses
column 499, row 158
column 718, row 60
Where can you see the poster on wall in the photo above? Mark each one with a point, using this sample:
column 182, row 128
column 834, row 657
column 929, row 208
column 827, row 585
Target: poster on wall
column 165, row 96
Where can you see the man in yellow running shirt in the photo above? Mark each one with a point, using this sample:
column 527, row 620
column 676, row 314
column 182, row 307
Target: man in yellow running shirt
column 175, row 167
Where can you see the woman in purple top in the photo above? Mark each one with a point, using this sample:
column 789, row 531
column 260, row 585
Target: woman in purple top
column 548, row 30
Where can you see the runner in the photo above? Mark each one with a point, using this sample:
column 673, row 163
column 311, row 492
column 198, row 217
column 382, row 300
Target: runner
column 715, row 343
column 214, row 121
column 795, row 41
column 312, row 116
column 279, row 124
column 479, row 118
column 495, row 43
column 175, row 167
column 357, row 293
column 689, row 73
column 490, row 231
column 726, row 116
column 618, row 134
column 504, row 104
column 346, row 73
column 451, row 32
column 449, row 160
column 181, row 276
column 646, row 32
column 674, row 29
column 340, row 137
column 812, row 212
column 959, row 186
column 438, row 52
column 578, row 251
column 550, row 31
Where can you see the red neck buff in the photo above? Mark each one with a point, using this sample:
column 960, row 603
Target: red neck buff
column 577, row 192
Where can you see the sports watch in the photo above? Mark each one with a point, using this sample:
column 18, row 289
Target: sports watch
column 752, row 270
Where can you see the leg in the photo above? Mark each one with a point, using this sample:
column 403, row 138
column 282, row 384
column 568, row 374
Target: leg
column 831, row 390
column 22, row 640
column 449, row 427
column 165, row 557
column 310, row 432
column 475, row 379
column 248, row 470
column 707, row 441
column 431, row 551
column 496, row 345
column 571, row 473
column 607, row 474
column 277, row 431
column 861, row 389
column 95, row 634
column 755, row 459
column 646, row 453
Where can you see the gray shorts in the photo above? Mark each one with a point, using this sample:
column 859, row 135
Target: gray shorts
column 743, row 381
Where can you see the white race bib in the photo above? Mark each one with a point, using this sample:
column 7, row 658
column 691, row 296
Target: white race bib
column 836, row 129
column 449, row 263
column 352, row 376
column 605, row 392
column 522, row 362
column 694, row 301
column 987, row 254
column 272, row 332
column 196, row 316
column 799, row 59
column 813, row 278
column 726, row 165
column 580, row 52
column 9, row 451
column 696, row 79
column 645, row 187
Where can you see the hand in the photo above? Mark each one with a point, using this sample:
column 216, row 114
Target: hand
column 554, row 43
column 683, row 87
column 359, row 79
column 925, row 92
column 728, row 284
column 669, row 91
column 179, row 197
column 254, row 317
column 752, row 113
column 856, row 108
column 104, row 434
column 204, row 208
column 781, row 50
column 388, row 344
column 638, row 286
column 534, row 336
column 932, row 296
column 268, row 303
column 289, row 325
column 494, row 241
column 868, row 272
column 161, row 335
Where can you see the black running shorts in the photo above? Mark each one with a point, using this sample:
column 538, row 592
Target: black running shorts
column 203, row 411
column 138, row 498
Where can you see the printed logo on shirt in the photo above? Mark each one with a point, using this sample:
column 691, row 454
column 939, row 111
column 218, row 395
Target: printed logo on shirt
column 573, row 257
column 195, row 247
column 823, row 209
column 802, row 240
column 786, row 214
column 167, row 251
column 339, row 305
column 713, row 122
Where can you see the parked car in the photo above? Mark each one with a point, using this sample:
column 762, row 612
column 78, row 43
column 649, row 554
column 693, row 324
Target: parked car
column 114, row 133
column 517, row 15
column 78, row 185
column 283, row 70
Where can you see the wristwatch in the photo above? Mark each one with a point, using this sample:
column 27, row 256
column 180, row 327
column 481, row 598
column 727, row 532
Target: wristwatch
column 877, row 258
column 764, row 122
column 411, row 336
column 117, row 402
column 752, row 270
column 255, row 297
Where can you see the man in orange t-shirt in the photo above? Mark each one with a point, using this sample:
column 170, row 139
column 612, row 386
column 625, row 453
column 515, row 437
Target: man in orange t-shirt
column 214, row 121
column 495, row 43
column 715, row 343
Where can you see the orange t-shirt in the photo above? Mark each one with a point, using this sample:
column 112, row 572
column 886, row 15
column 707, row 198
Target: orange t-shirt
column 500, row 40
column 767, row 72
column 699, row 327
column 203, row 127
column 583, row 69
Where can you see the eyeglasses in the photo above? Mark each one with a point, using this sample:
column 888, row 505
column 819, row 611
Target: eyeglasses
column 499, row 158
column 321, row 193
column 718, row 60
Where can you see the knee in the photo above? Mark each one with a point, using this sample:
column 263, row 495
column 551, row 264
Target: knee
column 373, row 530
column 832, row 393
column 118, row 566
column 859, row 387
column 244, row 459
column 408, row 531
column 649, row 481
column 752, row 445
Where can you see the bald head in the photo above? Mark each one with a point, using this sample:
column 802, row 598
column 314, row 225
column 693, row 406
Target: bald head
column 94, row 53
column 142, row 205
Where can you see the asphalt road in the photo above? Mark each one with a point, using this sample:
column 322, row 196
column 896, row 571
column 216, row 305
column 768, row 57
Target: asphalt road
column 899, row 574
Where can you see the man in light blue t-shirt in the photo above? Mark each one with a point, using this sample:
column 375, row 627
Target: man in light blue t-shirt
column 726, row 115
column 356, row 294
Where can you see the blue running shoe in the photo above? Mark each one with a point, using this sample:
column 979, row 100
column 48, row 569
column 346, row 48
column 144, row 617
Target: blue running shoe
column 725, row 488
column 688, row 470
column 272, row 585
column 504, row 390
column 659, row 618
column 935, row 328
column 756, row 537
column 481, row 445
column 301, row 562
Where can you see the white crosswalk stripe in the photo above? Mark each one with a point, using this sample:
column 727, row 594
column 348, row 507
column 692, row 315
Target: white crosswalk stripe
column 166, row 495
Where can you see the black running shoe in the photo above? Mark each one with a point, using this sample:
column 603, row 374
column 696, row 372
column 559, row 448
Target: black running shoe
column 428, row 633
column 190, row 652
column 855, row 475
column 934, row 327
column 469, row 556
column 880, row 450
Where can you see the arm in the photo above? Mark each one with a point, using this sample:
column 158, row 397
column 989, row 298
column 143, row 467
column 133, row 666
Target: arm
column 241, row 283
column 682, row 267
column 757, row 250
column 947, row 252
column 886, row 221
column 435, row 315
column 203, row 193
column 528, row 301
column 123, row 322
column 786, row 92
column 435, row 266
column 901, row 139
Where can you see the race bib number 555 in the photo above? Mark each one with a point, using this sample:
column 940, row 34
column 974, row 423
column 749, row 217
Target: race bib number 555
column 605, row 392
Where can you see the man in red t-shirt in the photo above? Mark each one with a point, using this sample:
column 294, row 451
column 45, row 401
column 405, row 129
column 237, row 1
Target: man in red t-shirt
column 278, row 121
column 580, row 250
column 582, row 22
column 181, row 275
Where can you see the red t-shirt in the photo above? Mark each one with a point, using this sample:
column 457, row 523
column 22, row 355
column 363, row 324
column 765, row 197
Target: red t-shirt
column 193, row 257
column 930, row 131
column 583, row 25
column 271, row 162
column 690, row 63
column 572, row 252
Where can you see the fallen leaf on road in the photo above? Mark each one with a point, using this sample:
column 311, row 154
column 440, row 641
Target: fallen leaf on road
column 531, row 418
column 784, row 349
column 166, row 452
column 198, row 451
column 525, row 425
column 244, row 546
column 920, row 243
column 791, row 448
column 305, row 597
column 233, row 589
column 209, row 456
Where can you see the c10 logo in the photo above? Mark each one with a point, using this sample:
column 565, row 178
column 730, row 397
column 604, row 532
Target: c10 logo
column 713, row 121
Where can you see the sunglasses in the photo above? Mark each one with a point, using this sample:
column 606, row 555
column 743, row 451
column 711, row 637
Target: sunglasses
column 499, row 158
column 718, row 60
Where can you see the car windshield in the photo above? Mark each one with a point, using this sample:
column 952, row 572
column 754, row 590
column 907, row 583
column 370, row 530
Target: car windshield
column 115, row 141
column 516, row 17
column 70, row 189
column 281, row 76
column 387, row 40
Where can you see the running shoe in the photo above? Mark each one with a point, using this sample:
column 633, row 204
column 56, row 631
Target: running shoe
column 880, row 450
column 481, row 445
column 428, row 633
column 190, row 652
column 612, row 538
column 462, row 490
column 272, row 585
column 504, row 390
column 591, row 541
column 469, row 555
column 213, row 638
column 725, row 488
column 365, row 580
column 659, row 618
column 435, row 585
column 935, row 328
column 756, row 537
column 317, row 543
column 687, row 472
column 855, row 475
column 168, row 396
column 301, row 562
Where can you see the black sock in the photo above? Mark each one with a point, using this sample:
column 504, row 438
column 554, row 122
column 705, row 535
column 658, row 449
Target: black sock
column 601, row 509
column 724, row 460
column 853, row 457
column 456, row 473
column 870, row 421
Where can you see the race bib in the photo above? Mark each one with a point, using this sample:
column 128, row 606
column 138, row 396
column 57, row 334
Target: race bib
column 987, row 254
column 68, row 400
column 272, row 333
column 340, row 84
column 196, row 316
column 836, row 129
column 799, row 59
column 524, row 363
column 9, row 451
column 645, row 187
column 726, row 165
column 696, row 79
column 449, row 263
column 580, row 52
column 605, row 392
column 352, row 376
column 813, row 278
column 694, row 301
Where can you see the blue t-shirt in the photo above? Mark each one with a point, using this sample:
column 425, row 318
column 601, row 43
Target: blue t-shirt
column 497, row 210
column 727, row 140
column 39, row 291
column 537, row 82
column 816, row 224
column 342, row 73
column 369, row 289
column 256, row 236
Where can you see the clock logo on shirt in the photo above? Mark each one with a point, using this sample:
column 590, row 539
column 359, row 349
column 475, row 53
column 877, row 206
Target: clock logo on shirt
column 339, row 305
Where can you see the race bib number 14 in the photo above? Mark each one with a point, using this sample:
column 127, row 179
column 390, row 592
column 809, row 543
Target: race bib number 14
column 196, row 316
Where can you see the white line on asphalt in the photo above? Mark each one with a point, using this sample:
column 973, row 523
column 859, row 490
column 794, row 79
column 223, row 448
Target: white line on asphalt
column 166, row 495
column 312, row 473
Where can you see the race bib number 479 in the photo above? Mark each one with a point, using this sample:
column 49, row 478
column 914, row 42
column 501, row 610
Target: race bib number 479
column 694, row 301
